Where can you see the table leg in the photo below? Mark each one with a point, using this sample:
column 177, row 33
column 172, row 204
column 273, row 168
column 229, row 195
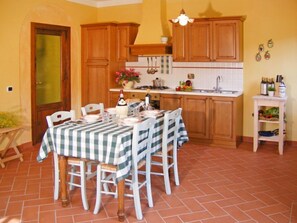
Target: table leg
column 63, row 180
column 121, row 190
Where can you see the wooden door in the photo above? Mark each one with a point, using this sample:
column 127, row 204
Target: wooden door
column 95, row 84
column 227, row 43
column 196, row 116
column 222, row 113
column 50, row 74
column 179, row 43
column 200, row 41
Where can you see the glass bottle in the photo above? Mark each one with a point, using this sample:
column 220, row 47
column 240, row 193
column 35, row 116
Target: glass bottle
column 263, row 88
column 147, row 99
column 122, row 107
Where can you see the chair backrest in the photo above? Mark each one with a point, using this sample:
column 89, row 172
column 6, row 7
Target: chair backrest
column 170, row 128
column 90, row 108
column 59, row 117
column 142, row 140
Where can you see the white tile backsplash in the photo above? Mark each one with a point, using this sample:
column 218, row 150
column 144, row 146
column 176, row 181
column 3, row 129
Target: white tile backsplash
column 205, row 73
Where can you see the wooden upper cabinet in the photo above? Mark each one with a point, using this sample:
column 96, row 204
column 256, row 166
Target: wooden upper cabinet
column 200, row 41
column 227, row 40
column 209, row 39
column 98, row 42
column 126, row 35
column 179, row 42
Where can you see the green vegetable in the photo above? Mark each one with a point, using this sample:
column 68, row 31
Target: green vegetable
column 274, row 111
column 9, row 119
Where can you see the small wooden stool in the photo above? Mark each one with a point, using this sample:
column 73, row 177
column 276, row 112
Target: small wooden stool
column 10, row 134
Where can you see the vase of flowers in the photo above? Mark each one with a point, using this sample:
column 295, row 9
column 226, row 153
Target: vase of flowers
column 127, row 77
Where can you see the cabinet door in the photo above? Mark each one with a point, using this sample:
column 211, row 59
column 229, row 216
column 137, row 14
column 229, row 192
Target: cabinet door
column 170, row 102
column 222, row 113
column 126, row 35
column 200, row 39
column 196, row 116
column 95, row 44
column 227, row 41
column 179, row 43
column 94, row 84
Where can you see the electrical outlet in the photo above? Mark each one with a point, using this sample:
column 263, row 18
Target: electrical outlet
column 191, row 76
column 9, row 89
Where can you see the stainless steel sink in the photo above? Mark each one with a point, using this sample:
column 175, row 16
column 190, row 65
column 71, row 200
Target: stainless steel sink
column 215, row 92
column 228, row 92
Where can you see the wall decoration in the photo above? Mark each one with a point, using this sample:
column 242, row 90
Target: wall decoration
column 270, row 43
column 261, row 49
column 267, row 55
column 258, row 57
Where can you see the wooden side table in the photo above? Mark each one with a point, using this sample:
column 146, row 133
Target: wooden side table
column 10, row 135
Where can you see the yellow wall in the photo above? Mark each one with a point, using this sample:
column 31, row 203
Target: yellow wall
column 15, row 18
column 266, row 20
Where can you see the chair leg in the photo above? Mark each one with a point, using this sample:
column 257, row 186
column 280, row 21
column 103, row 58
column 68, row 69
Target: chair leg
column 98, row 193
column 72, row 170
column 136, row 195
column 176, row 177
column 148, row 184
column 166, row 174
column 57, row 177
column 83, row 185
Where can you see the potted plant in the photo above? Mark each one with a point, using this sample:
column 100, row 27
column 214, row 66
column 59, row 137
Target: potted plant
column 9, row 119
column 271, row 91
column 127, row 78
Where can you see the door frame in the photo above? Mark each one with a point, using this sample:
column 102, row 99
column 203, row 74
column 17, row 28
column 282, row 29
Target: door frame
column 38, row 122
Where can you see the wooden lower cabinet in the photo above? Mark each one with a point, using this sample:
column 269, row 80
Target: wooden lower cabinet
column 170, row 101
column 196, row 116
column 212, row 121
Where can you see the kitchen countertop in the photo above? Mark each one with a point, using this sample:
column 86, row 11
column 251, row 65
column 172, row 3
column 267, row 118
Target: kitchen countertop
column 224, row 93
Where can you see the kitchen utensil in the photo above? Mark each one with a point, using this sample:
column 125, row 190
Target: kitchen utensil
column 155, row 70
column 148, row 66
column 152, row 66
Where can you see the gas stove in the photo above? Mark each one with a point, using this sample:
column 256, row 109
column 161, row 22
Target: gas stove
column 144, row 87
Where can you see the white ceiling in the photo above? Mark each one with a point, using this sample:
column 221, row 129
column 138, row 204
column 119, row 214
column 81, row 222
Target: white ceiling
column 105, row 3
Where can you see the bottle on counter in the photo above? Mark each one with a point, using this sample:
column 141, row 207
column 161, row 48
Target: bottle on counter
column 147, row 99
column 122, row 107
column 264, row 87
column 282, row 90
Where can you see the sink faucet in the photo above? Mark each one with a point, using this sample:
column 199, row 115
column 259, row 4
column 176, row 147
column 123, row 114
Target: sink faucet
column 217, row 88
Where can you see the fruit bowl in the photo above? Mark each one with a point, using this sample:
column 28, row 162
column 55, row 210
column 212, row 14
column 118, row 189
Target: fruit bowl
column 184, row 88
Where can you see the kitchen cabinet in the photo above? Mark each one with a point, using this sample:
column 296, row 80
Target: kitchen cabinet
column 197, row 116
column 170, row 101
column 209, row 120
column 209, row 39
column 104, row 51
column 262, row 103
column 126, row 35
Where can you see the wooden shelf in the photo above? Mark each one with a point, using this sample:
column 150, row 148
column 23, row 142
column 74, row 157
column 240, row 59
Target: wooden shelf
column 260, row 102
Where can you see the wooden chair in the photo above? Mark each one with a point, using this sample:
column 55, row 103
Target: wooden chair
column 59, row 117
column 91, row 108
column 169, row 145
column 141, row 155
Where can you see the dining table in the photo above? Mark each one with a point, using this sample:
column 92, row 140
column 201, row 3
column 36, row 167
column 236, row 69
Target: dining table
column 108, row 142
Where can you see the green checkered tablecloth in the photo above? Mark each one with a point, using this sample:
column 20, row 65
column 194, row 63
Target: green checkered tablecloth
column 105, row 142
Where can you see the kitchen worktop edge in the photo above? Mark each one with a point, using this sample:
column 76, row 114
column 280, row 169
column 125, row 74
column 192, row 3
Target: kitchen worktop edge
column 173, row 91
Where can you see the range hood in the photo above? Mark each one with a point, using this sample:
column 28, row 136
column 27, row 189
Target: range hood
column 153, row 25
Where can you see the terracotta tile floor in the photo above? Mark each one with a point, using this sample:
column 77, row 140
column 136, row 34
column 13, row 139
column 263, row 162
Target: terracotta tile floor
column 217, row 185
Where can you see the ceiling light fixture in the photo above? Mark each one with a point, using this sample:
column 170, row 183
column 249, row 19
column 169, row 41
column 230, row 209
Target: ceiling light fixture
column 182, row 19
